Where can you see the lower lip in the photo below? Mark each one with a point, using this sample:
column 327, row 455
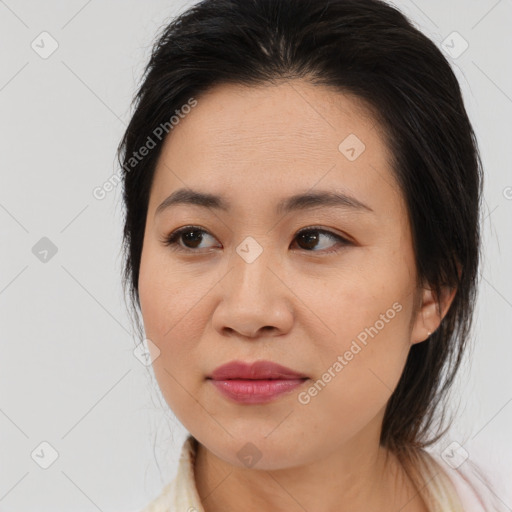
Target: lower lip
column 256, row 391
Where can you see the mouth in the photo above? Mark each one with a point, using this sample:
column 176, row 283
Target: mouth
column 258, row 370
column 255, row 383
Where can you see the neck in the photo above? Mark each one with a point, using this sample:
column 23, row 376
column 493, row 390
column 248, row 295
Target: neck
column 351, row 479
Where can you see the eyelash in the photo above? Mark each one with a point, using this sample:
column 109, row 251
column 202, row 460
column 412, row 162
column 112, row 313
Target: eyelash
column 172, row 240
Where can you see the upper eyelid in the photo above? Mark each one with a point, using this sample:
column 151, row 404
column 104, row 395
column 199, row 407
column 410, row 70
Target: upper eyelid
column 326, row 231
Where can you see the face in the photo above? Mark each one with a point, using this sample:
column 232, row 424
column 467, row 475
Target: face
column 324, row 287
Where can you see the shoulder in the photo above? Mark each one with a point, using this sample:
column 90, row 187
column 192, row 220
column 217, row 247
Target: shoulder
column 467, row 480
column 163, row 502
column 180, row 495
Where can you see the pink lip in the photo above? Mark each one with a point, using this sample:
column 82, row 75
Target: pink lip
column 259, row 382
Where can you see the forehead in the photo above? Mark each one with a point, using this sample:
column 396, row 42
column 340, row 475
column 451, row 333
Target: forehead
column 309, row 119
column 270, row 140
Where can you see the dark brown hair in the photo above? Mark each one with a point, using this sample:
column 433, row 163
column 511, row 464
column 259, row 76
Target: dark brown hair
column 369, row 49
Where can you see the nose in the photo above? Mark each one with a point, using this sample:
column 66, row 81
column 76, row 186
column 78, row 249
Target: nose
column 255, row 300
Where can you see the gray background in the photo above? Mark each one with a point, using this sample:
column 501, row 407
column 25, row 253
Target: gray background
column 68, row 375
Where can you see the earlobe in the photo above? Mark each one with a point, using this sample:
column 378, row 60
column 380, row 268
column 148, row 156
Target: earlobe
column 430, row 313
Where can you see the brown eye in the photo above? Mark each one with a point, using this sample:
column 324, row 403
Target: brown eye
column 190, row 236
column 310, row 238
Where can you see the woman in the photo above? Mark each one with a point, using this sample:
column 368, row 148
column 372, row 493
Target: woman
column 302, row 188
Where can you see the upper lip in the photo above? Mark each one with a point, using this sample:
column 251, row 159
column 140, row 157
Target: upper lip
column 255, row 370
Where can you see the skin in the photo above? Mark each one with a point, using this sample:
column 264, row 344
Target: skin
column 295, row 304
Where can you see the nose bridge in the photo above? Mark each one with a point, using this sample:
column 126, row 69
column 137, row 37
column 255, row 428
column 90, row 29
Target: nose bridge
column 253, row 298
column 251, row 261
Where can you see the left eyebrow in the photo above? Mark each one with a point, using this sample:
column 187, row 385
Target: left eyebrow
column 301, row 201
column 308, row 200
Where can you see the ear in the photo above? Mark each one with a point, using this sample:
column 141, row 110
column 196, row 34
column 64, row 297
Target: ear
column 429, row 315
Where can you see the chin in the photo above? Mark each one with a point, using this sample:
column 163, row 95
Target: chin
column 257, row 450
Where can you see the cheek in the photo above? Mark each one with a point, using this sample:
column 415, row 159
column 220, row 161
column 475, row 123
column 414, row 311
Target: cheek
column 174, row 315
column 364, row 304
column 169, row 297
column 368, row 314
column 360, row 369
column 167, row 304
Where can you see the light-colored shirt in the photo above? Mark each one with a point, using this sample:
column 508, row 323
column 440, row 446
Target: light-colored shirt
column 453, row 490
